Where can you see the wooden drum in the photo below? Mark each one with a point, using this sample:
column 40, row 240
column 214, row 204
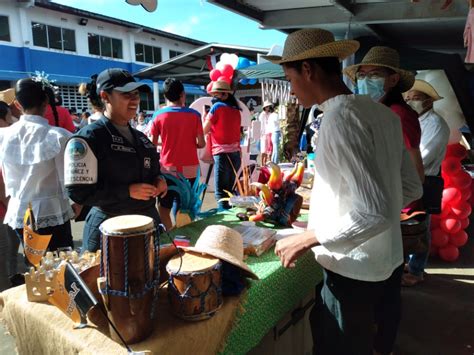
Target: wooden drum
column 129, row 273
column 194, row 288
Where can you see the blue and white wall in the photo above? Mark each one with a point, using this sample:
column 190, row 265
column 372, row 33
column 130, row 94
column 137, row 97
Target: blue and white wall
column 19, row 58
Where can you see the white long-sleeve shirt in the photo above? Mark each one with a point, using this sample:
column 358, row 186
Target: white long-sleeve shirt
column 32, row 158
column 434, row 139
column 364, row 176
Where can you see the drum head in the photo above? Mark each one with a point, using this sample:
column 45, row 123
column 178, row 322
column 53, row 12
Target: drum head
column 127, row 224
column 192, row 262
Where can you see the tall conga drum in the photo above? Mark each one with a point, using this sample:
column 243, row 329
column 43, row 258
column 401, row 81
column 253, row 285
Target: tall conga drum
column 129, row 273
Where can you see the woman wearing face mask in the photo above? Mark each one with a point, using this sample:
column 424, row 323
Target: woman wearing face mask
column 379, row 76
column 110, row 165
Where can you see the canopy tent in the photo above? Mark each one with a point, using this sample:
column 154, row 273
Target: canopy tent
column 193, row 67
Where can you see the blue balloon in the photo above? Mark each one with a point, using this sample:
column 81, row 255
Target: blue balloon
column 252, row 63
column 239, row 63
column 252, row 81
column 245, row 63
column 244, row 81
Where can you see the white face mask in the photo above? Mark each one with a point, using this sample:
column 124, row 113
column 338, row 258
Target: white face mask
column 416, row 105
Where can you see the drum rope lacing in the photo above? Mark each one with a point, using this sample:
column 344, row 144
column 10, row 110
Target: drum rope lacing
column 202, row 296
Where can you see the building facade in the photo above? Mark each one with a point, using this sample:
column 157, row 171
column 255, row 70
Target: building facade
column 70, row 45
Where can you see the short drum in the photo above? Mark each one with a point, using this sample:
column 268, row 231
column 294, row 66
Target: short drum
column 129, row 271
column 194, row 287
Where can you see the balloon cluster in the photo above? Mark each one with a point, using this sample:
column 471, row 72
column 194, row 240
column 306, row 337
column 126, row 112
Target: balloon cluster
column 448, row 228
column 225, row 67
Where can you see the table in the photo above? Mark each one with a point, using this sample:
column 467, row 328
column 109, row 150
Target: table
column 257, row 310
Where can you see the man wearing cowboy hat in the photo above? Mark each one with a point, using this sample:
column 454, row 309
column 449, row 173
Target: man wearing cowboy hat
column 434, row 139
column 379, row 75
column 363, row 177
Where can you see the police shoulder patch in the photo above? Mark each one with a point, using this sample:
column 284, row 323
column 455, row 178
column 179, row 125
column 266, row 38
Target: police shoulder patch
column 80, row 163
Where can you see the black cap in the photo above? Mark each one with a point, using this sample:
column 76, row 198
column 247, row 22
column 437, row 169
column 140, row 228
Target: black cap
column 118, row 79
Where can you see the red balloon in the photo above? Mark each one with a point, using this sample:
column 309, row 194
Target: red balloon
column 227, row 70
column 439, row 238
column 451, row 195
column 461, row 180
column 464, row 223
column 458, row 239
column 449, row 253
column 450, row 225
column 466, row 194
column 224, row 78
column 445, row 210
column 456, row 151
column 209, row 86
column 462, row 210
column 450, row 166
column 214, row 74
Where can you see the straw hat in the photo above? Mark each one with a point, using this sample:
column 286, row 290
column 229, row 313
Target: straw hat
column 267, row 103
column 220, row 86
column 425, row 88
column 223, row 243
column 383, row 57
column 313, row 43
column 7, row 96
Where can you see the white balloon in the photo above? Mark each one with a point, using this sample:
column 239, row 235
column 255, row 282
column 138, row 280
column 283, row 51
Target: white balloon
column 225, row 58
column 234, row 60
column 220, row 65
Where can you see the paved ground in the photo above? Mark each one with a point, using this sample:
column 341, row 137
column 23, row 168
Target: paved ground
column 438, row 315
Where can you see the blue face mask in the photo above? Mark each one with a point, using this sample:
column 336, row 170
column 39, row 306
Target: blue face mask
column 371, row 87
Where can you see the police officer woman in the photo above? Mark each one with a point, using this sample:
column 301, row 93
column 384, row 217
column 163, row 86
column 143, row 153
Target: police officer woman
column 108, row 164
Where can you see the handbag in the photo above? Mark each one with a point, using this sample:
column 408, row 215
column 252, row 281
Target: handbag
column 432, row 194
column 414, row 232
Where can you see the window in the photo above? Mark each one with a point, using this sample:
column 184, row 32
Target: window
column 4, row 29
column 146, row 101
column 72, row 98
column 147, row 54
column 53, row 37
column 105, row 46
column 174, row 53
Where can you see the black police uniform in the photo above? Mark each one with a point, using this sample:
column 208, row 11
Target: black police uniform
column 100, row 165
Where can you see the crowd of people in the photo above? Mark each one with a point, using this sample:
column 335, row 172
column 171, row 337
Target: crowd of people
column 373, row 151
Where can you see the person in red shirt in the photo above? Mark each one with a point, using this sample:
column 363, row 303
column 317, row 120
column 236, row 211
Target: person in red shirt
column 181, row 135
column 57, row 115
column 223, row 123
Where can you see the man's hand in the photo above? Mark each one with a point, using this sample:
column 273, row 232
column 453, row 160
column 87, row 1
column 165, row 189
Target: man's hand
column 291, row 248
column 161, row 187
column 142, row 191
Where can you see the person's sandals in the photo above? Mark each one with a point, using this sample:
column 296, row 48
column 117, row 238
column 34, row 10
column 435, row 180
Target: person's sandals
column 409, row 280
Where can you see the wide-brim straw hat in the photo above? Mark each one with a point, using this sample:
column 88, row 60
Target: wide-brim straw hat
column 266, row 104
column 223, row 243
column 383, row 57
column 220, row 86
column 7, row 96
column 313, row 43
column 425, row 88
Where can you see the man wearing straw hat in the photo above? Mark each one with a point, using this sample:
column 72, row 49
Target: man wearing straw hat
column 363, row 178
column 434, row 139
column 8, row 96
column 379, row 75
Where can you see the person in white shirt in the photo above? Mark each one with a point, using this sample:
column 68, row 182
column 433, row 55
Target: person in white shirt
column 434, row 139
column 364, row 176
column 273, row 127
column 31, row 152
column 266, row 133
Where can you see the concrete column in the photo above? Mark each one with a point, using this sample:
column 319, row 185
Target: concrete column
column 156, row 95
